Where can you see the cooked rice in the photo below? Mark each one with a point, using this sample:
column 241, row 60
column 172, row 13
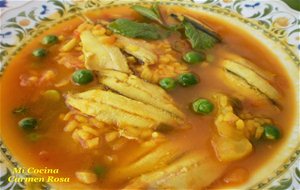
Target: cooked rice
column 89, row 132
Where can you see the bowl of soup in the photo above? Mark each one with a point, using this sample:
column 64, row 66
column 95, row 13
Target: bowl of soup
column 130, row 95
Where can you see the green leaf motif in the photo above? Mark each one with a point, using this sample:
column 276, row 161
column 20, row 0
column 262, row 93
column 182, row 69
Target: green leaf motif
column 12, row 19
column 22, row 14
column 4, row 179
column 239, row 9
column 20, row 35
column 2, row 54
column 297, row 172
column 16, row 26
column 255, row 15
column 236, row 2
column 18, row 187
column 31, row 15
column 60, row 7
column 294, row 31
column 209, row 1
column 267, row 10
column 5, row 184
column 46, row 19
column 74, row 9
column 297, row 175
column 6, row 45
column 265, row 23
column 58, row 3
column 60, row 11
column 284, row 184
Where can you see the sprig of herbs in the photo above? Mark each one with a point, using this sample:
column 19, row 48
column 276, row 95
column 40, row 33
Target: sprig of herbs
column 198, row 39
column 151, row 13
column 134, row 29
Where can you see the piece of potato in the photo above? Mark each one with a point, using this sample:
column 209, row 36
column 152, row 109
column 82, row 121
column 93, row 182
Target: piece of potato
column 229, row 142
column 231, row 149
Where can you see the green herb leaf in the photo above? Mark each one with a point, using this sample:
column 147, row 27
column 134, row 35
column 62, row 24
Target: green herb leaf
column 152, row 13
column 175, row 27
column 134, row 29
column 198, row 39
column 164, row 32
column 155, row 9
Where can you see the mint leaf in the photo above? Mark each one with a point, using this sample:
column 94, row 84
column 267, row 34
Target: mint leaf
column 198, row 39
column 152, row 13
column 134, row 29
column 175, row 27
column 155, row 9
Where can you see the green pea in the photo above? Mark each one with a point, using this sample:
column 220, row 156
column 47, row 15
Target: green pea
column 271, row 132
column 187, row 79
column 100, row 171
column 28, row 123
column 82, row 76
column 193, row 57
column 49, row 40
column 167, row 83
column 203, row 106
column 39, row 52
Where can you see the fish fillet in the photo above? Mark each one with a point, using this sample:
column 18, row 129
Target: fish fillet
column 139, row 49
column 138, row 89
column 252, row 78
column 108, row 114
column 116, row 109
column 99, row 56
column 157, row 158
column 195, row 170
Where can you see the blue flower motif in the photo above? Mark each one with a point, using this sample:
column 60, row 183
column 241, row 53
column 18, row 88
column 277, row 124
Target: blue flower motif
column 3, row 3
column 299, row 46
column 253, row 5
column 44, row 11
column 5, row 34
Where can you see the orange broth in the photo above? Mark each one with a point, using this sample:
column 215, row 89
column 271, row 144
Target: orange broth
column 69, row 157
